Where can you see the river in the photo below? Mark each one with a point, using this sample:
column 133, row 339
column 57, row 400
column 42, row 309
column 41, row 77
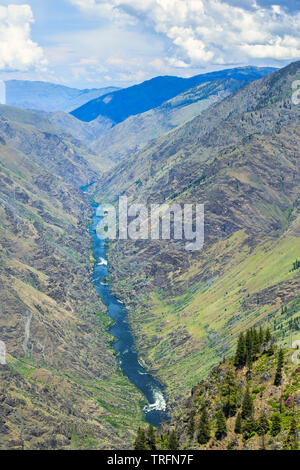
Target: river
column 127, row 357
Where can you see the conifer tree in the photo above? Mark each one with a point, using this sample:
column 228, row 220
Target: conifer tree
column 140, row 441
column 229, row 392
column 249, row 361
column 268, row 337
column 255, row 342
column 261, row 337
column 263, row 426
column 151, row 437
column 280, row 362
column 281, row 358
column 249, row 347
column 247, row 406
column 204, row 428
column 238, row 424
column 221, row 425
column 276, row 425
column 240, row 356
column 249, row 427
column 173, row 440
column 291, row 442
column 191, row 426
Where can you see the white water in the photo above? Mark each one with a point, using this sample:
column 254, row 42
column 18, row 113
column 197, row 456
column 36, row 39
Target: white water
column 159, row 404
column 102, row 261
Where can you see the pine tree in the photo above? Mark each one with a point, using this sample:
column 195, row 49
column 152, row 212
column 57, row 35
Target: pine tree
column 249, row 427
column 256, row 343
column 229, row 392
column 151, row 437
column 276, row 425
column 280, row 358
column 238, row 424
column 204, row 429
column 291, row 442
column 249, row 347
column 247, row 406
column 240, row 355
column 280, row 362
column 140, row 441
column 173, row 441
column 268, row 337
column 191, row 426
column 261, row 337
column 263, row 426
column 221, row 425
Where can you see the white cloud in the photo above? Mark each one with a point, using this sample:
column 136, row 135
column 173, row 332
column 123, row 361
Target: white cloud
column 17, row 50
column 203, row 32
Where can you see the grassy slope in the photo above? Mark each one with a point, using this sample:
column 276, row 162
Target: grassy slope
column 213, row 315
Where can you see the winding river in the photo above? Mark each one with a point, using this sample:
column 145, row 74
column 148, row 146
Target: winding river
column 155, row 410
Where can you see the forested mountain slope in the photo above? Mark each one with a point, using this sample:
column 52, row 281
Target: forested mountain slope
column 248, row 402
column 113, row 141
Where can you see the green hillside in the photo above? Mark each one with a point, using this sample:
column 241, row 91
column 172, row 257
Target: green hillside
column 238, row 406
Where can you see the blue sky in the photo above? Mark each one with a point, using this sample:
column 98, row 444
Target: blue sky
column 95, row 43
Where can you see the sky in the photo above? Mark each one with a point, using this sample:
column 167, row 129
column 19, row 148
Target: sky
column 98, row 43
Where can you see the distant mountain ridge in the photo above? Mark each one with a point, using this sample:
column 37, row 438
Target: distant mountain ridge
column 47, row 96
column 137, row 99
column 129, row 136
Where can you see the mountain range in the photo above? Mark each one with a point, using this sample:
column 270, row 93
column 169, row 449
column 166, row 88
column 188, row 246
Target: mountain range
column 229, row 140
column 49, row 96
column 125, row 138
column 137, row 99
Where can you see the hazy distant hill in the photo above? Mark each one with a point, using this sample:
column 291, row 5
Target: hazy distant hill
column 49, row 96
column 137, row 99
column 87, row 132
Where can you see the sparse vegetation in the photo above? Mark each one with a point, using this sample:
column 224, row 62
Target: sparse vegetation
column 230, row 410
